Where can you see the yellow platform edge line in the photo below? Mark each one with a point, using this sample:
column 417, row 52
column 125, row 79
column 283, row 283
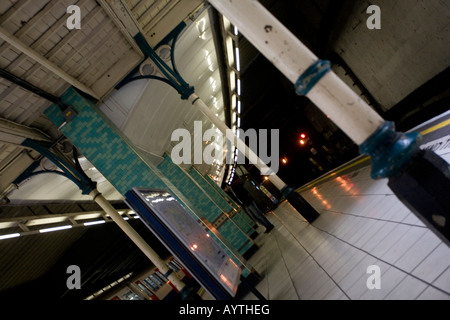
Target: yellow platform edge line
column 424, row 132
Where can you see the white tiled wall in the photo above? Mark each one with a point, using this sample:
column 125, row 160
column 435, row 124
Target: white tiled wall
column 361, row 224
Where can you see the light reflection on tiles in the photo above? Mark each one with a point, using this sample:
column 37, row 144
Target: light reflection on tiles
column 361, row 224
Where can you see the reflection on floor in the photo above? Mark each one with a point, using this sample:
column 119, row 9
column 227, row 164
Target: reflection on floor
column 362, row 224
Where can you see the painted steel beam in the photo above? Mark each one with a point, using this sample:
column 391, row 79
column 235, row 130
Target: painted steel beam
column 19, row 45
column 14, row 133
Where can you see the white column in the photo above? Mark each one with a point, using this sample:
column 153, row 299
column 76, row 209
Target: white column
column 344, row 107
column 235, row 140
column 136, row 238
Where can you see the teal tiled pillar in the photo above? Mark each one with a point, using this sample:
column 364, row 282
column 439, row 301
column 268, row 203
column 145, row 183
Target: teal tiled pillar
column 118, row 161
column 103, row 146
column 215, row 210
column 224, row 201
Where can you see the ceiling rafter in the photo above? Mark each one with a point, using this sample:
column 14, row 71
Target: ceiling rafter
column 15, row 133
column 159, row 16
column 120, row 13
column 16, row 8
column 33, row 54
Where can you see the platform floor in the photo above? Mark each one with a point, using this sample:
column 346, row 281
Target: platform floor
column 328, row 259
column 361, row 224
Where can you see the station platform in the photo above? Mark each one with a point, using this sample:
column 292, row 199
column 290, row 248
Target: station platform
column 361, row 224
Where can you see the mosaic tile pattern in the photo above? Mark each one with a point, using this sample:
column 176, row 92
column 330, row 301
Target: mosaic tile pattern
column 116, row 159
column 98, row 142
column 205, row 205
column 226, row 203
column 219, row 199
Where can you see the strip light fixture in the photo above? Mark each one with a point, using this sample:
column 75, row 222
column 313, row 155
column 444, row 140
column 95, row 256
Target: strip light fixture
column 91, row 223
column 9, row 236
column 55, row 228
column 235, row 81
column 26, row 222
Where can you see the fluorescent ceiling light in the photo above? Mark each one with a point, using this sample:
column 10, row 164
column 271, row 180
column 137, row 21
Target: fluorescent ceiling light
column 9, row 236
column 55, row 229
column 91, row 223
column 238, row 60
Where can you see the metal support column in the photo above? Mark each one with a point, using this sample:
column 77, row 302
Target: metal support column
column 187, row 92
column 412, row 173
column 75, row 173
